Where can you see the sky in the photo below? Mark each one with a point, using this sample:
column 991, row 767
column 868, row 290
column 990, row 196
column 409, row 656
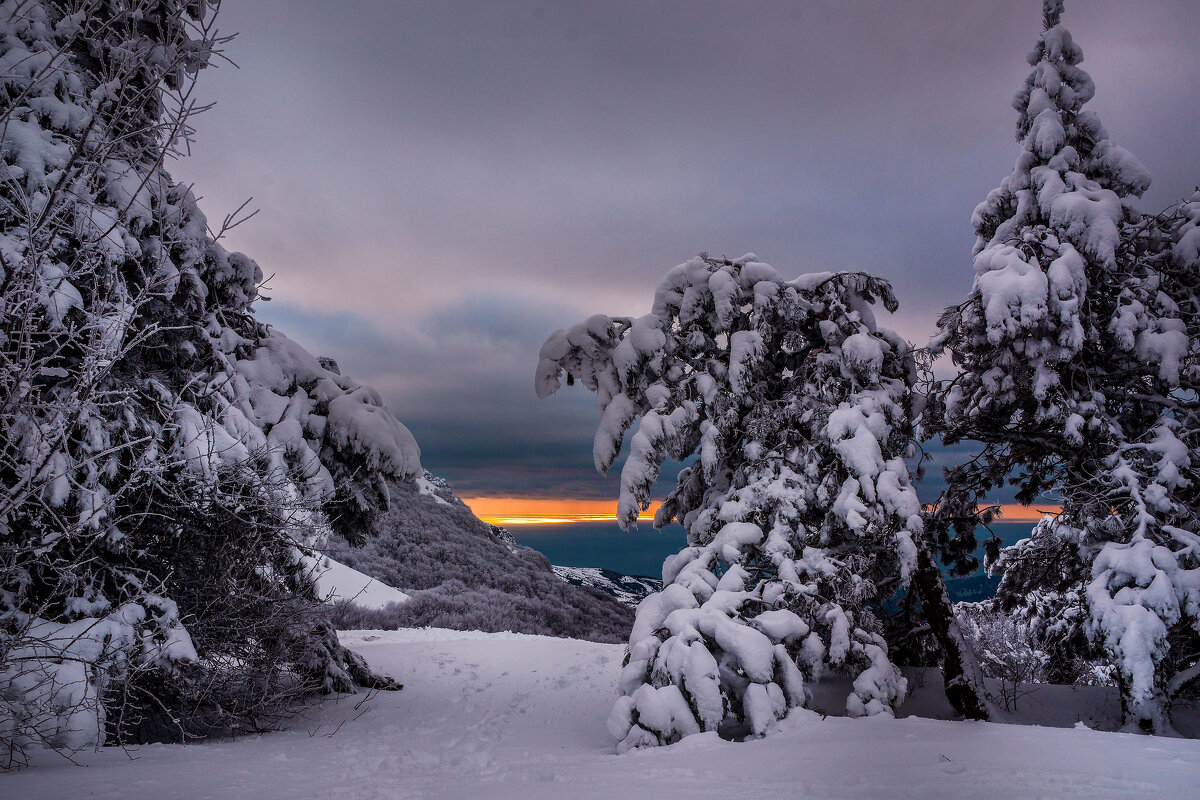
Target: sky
column 443, row 184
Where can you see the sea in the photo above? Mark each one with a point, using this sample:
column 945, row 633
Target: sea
column 641, row 552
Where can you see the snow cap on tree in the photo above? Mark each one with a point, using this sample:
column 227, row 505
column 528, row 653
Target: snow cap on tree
column 1059, row 210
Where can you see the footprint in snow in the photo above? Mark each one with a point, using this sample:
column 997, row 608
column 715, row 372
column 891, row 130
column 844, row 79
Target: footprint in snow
column 951, row 768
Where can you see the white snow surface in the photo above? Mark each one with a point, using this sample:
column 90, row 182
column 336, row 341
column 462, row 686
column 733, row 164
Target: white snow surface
column 429, row 488
column 336, row 581
column 505, row 715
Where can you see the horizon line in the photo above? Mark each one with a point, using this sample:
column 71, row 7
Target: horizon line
column 566, row 511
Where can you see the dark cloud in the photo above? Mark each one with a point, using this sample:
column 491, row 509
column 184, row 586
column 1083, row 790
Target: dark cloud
column 462, row 380
column 444, row 184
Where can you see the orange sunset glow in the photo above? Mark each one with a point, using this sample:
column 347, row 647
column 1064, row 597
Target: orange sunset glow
column 542, row 511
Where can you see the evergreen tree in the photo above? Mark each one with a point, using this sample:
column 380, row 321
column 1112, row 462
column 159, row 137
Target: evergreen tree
column 1077, row 350
column 141, row 403
column 800, row 514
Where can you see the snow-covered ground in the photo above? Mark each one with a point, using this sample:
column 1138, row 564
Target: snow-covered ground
column 336, row 581
column 513, row 716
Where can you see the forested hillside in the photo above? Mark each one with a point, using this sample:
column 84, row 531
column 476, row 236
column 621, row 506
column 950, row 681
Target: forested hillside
column 465, row 574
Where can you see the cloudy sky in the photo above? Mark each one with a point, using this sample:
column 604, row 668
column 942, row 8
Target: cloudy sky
column 443, row 184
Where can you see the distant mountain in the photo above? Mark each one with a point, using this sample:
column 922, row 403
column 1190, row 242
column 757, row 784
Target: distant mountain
column 627, row 589
column 465, row 574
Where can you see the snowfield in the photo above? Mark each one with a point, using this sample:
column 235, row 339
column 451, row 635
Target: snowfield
column 515, row 716
column 336, row 581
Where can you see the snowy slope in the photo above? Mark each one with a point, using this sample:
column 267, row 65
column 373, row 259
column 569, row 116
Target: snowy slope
column 513, row 716
column 336, row 581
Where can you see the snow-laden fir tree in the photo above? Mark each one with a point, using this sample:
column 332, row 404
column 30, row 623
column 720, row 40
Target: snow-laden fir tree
column 1112, row 584
column 157, row 443
column 800, row 514
column 1077, row 348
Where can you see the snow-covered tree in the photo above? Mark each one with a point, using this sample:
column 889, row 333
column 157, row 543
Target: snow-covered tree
column 137, row 389
column 800, row 514
column 1077, row 348
column 1114, row 577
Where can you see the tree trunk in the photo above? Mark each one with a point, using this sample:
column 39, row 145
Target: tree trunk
column 960, row 669
column 1149, row 714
